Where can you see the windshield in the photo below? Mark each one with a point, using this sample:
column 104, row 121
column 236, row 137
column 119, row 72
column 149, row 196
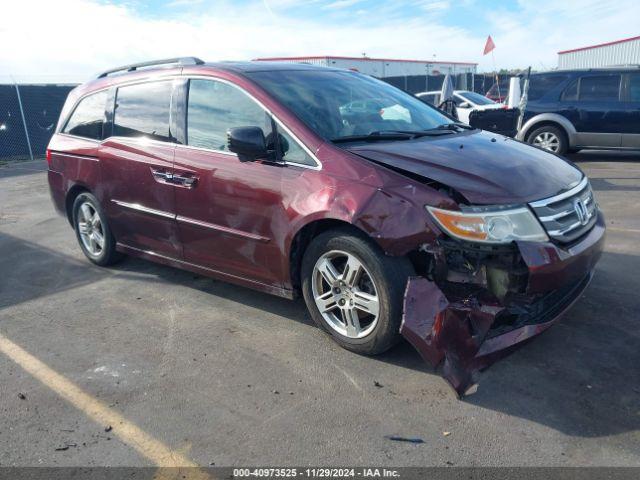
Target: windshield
column 339, row 104
column 476, row 98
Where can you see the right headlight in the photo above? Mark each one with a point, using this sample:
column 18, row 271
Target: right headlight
column 490, row 224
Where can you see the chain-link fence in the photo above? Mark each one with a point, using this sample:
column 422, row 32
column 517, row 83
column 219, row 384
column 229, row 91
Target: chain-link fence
column 28, row 116
column 29, row 110
column 476, row 82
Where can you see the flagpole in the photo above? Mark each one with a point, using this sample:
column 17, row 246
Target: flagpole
column 495, row 69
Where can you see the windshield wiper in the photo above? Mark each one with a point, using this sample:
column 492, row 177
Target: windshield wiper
column 380, row 135
column 454, row 125
column 375, row 136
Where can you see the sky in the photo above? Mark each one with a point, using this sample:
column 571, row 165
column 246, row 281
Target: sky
column 73, row 39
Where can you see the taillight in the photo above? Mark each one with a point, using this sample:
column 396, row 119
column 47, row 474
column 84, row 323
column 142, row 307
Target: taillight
column 48, row 156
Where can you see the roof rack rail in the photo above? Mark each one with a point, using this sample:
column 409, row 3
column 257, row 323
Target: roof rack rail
column 167, row 61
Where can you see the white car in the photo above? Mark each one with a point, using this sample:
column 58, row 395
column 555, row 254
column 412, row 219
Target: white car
column 465, row 101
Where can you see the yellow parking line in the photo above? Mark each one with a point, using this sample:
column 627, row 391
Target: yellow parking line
column 154, row 450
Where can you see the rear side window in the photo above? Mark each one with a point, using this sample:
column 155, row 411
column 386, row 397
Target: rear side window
column 600, row 87
column 539, row 85
column 215, row 107
column 143, row 111
column 88, row 117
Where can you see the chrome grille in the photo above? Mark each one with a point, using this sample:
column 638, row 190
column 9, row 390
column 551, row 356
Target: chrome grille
column 569, row 215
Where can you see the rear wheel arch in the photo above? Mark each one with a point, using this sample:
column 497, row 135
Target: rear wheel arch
column 550, row 127
column 546, row 123
column 70, row 198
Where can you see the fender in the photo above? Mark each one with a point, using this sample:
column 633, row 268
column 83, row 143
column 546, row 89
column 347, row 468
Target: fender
column 548, row 117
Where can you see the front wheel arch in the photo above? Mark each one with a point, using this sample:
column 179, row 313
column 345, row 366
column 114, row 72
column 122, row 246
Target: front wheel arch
column 304, row 236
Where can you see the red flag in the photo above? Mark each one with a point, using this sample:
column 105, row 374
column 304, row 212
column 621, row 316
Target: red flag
column 489, row 46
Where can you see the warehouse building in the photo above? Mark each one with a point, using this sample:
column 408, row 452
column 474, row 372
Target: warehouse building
column 618, row 53
column 383, row 67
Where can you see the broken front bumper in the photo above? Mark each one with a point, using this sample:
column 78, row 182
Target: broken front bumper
column 469, row 332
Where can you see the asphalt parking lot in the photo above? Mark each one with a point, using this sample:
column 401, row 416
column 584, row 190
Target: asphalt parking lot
column 223, row 375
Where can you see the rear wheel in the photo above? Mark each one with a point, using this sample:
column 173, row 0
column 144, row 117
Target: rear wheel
column 92, row 231
column 354, row 291
column 549, row 138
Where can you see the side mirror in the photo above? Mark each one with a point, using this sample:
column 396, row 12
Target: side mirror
column 464, row 105
column 248, row 142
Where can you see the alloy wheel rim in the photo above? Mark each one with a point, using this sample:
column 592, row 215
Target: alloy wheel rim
column 547, row 141
column 90, row 229
column 345, row 294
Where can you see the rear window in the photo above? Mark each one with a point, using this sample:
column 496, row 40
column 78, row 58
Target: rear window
column 143, row 111
column 539, row 85
column 88, row 117
column 476, row 98
column 600, row 87
column 430, row 97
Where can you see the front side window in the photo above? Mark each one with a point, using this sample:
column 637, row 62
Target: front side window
column 88, row 117
column 339, row 104
column 600, row 87
column 143, row 110
column 215, row 107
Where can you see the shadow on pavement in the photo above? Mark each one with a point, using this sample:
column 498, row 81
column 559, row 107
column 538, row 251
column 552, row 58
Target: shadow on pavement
column 608, row 156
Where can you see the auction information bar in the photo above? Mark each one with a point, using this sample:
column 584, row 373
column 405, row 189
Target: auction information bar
column 408, row 473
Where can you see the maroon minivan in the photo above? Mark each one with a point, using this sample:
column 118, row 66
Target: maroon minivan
column 388, row 216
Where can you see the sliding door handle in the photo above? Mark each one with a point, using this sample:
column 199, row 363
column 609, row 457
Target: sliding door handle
column 162, row 175
column 185, row 180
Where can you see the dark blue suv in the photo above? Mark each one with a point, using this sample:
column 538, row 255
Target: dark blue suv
column 569, row 110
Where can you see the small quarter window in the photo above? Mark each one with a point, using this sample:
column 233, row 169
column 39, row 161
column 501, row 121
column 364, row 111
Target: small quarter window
column 292, row 152
column 143, row 111
column 571, row 92
column 88, row 117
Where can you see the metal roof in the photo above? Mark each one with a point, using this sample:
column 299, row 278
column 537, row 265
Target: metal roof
column 630, row 39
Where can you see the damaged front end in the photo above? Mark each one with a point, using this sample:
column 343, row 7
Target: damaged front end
column 473, row 303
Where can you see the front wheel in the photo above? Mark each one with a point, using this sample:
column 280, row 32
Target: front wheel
column 549, row 138
column 354, row 291
column 92, row 231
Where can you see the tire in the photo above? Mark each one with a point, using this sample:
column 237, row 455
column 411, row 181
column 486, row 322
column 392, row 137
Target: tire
column 86, row 206
column 550, row 138
column 381, row 277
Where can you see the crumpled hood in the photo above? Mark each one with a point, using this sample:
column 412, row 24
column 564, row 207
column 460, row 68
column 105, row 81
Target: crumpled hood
column 486, row 168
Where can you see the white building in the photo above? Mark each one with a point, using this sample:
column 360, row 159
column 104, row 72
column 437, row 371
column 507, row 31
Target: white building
column 383, row 67
column 618, row 53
